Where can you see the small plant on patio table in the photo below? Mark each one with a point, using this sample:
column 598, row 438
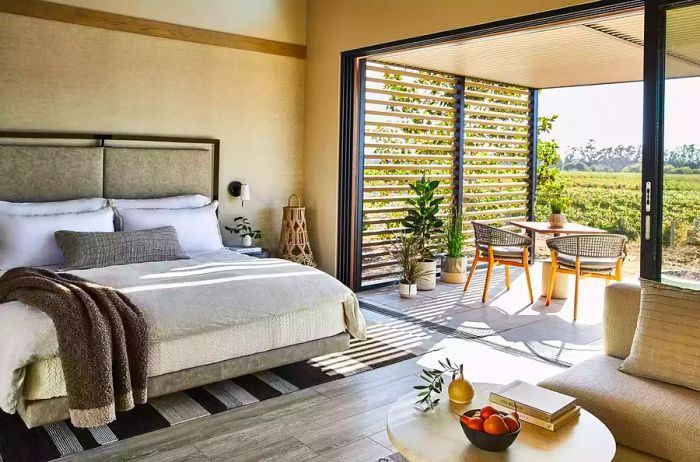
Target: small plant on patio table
column 241, row 226
column 435, row 380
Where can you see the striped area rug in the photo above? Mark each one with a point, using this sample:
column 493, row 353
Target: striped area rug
column 59, row 439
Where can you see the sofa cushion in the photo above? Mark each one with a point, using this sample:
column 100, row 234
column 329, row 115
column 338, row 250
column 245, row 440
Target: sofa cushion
column 666, row 344
column 647, row 415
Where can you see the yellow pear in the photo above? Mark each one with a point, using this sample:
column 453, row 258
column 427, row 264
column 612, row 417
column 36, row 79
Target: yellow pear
column 460, row 390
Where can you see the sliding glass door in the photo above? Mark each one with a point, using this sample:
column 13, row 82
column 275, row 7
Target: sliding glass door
column 671, row 164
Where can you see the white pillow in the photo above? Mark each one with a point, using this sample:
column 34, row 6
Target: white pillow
column 174, row 202
column 28, row 240
column 51, row 208
column 197, row 229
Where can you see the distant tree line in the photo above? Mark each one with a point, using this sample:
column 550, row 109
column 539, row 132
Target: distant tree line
column 591, row 158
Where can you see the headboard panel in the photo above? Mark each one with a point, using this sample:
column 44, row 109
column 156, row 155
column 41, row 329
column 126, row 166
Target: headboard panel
column 43, row 173
column 116, row 166
column 137, row 172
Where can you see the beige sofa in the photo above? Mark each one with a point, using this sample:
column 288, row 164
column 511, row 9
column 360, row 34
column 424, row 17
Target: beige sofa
column 650, row 420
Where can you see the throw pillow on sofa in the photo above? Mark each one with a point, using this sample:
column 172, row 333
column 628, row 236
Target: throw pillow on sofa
column 666, row 344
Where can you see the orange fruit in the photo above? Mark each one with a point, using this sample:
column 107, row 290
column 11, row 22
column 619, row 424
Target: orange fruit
column 511, row 422
column 515, row 416
column 486, row 412
column 495, row 425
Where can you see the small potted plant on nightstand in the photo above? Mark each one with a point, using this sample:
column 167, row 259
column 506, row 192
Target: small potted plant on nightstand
column 241, row 226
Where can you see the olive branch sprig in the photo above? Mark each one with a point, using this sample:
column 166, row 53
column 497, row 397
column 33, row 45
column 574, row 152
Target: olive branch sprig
column 435, row 380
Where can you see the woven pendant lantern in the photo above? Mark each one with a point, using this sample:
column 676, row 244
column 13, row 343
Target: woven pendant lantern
column 294, row 239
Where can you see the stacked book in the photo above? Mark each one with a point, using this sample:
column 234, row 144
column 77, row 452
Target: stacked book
column 247, row 250
column 536, row 405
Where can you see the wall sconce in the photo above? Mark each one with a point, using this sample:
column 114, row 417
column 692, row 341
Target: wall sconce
column 238, row 189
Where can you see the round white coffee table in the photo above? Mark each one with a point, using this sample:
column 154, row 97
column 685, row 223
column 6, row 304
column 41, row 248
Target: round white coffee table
column 436, row 436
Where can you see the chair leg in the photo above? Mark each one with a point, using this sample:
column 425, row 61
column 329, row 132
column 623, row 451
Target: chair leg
column 578, row 278
column 471, row 271
column 552, row 278
column 488, row 276
column 618, row 270
column 507, row 277
column 526, row 267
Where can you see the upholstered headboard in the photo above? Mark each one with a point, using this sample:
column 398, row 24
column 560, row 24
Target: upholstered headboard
column 53, row 166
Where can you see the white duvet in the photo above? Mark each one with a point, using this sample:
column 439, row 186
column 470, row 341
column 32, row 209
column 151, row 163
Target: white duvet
column 211, row 291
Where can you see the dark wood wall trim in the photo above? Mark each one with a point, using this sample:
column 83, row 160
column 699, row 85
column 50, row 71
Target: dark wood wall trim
column 92, row 18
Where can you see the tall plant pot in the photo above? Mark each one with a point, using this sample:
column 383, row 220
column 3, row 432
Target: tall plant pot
column 427, row 282
column 453, row 270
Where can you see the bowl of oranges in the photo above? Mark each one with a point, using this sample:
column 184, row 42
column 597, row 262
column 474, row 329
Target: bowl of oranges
column 490, row 429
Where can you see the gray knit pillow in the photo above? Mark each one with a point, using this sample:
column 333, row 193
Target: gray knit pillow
column 98, row 249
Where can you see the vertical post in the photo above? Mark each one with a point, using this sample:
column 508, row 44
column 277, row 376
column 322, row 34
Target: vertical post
column 653, row 140
column 458, row 182
column 346, row 172
column 361, row 84
column 532, row 163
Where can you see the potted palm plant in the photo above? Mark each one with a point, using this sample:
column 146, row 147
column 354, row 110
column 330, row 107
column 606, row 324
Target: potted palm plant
column 406, row 251
column 422, row 221
column 453, row 269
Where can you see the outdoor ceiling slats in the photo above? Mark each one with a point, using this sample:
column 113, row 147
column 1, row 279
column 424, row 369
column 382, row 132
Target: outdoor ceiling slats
column 410, row 133
column 587, row 52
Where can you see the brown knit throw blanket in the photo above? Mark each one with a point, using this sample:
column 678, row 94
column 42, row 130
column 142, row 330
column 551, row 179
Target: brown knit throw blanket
column 102, row 340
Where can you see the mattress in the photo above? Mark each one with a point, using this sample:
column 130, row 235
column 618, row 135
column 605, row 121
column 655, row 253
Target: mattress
column 44, row 379
column 215, row 306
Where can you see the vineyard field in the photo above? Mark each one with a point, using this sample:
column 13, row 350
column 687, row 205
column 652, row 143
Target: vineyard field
column 612, row 201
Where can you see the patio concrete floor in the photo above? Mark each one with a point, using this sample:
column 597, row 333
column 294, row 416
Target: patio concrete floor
column 525, row 341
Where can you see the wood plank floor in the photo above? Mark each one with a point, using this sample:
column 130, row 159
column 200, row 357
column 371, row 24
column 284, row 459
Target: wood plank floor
column 342, row 420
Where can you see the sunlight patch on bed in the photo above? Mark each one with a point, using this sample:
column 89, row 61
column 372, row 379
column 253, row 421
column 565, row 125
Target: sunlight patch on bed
column 181, row 285
column 200, row 271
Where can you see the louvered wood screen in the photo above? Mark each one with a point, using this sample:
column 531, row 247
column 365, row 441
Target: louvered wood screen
column 496, row 180
column 412, row 127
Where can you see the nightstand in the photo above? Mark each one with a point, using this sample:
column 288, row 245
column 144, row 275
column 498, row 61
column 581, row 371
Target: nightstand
column 264, row 253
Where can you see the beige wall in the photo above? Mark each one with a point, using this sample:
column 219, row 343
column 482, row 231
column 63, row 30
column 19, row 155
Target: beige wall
column 336, row 26
column 61, row 77
column 280, row 20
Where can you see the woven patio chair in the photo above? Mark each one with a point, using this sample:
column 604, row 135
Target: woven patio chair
column 590, row 255
column 500, row 247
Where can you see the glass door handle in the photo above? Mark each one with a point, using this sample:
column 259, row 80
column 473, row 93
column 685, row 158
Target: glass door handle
column 647, row 197
column 647, row 209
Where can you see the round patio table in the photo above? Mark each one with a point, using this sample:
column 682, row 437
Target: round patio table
column 436, row 435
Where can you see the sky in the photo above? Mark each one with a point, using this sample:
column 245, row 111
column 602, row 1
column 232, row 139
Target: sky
column 612, row 114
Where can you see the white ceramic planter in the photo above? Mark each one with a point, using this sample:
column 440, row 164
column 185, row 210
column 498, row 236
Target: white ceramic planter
column 427, row 282
column 407, row 290
column 246, row 241
column 557, row 220
column 453, row 270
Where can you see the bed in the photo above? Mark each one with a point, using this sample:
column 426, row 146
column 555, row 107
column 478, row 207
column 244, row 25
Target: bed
column 214, row 316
